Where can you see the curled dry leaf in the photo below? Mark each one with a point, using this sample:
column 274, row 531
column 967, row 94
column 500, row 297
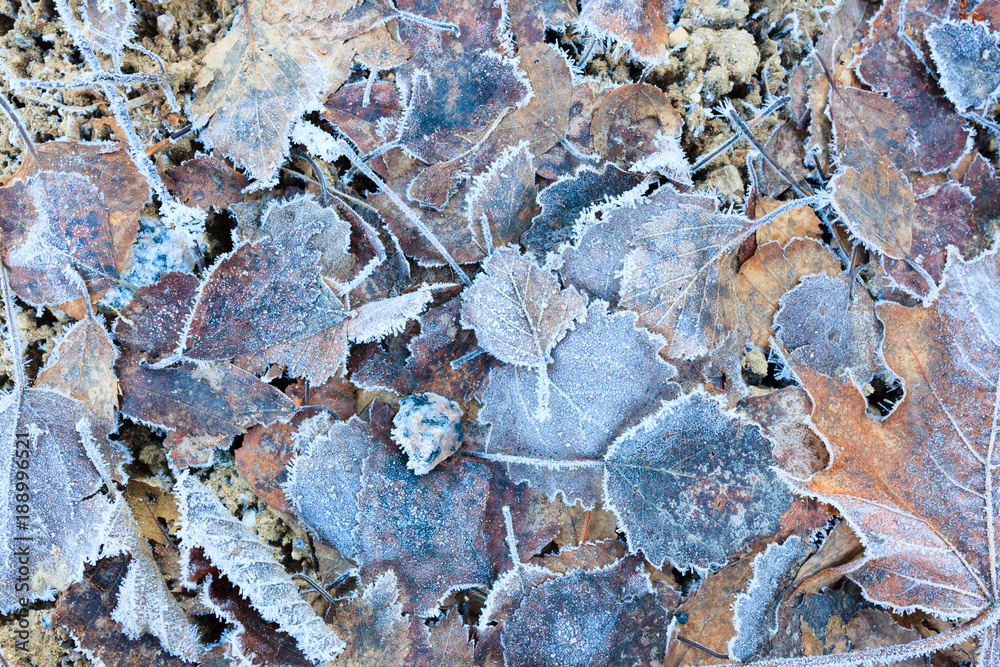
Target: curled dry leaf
column 205, row 181
column 247, row 562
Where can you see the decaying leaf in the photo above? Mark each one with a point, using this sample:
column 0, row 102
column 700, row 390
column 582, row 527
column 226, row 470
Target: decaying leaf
column 150, row 325
column 608, row 616
column 642, row 26
column 501, row 200
column 693, row 485
column 82, row 366
column 201, row 406
column 877, row 205
column 205, row 181
column 606, row 375
column 967, row 56
column 258, row 80
column 85, row 610
column 918, row 506
column 265, row 292
column 248, row 563
column 373, row 626
column 630, row 118
column 436, row 531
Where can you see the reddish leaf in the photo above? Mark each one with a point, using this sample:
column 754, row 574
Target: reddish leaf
column 205, row 181
column 150, row 324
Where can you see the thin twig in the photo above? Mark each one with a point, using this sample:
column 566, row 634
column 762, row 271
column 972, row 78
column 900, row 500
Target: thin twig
column 13, row 335
column 313, row 584
column 691, row 642
column 16, row 120
column 774, row 106
column 730, row 111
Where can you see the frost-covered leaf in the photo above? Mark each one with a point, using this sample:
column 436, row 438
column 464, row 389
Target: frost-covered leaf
column 830, row 326
column 51, row 504
column 325, row 478
column 82, row 366
column 56, row 220
column 278, row 219
column 606, row 375
column 643, row 26
column 150, row 325
column 445, row 644
column 519, row 312
column 632, row 123
column 967, row 56
column 264, row 292
column 258, row 80
column 693, row 485
column 918, row 506
column 252, row 641
column 85, row 610
column 145, row 603
column 877, row 205
column 428, row 428
column 425, row 364
column 594, row 262
column 248, row 563
column 201, row 406
column 566, row 200
column 377, row 319
column 754, row 610
column 681, row 277
column 438, row 532
column 502, row 199
column 373, row 626
column 205, row 181
column 110, row 26
column 601, row 617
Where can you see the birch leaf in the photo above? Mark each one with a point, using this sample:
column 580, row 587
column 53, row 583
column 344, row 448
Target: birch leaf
column 373, row 626
column 82, row 366
column 325, row 478
column 605, row 376
column 967, row 56
column 249, row 564
column 59, row 485
column 693, row 485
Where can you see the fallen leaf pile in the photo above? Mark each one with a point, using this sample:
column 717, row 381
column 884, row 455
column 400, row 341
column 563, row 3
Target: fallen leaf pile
column 504, row 384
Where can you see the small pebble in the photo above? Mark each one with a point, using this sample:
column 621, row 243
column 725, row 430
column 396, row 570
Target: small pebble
column 165, row 23
column 428, row 427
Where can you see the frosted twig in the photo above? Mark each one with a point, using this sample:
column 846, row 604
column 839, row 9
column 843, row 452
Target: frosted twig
column 428, row 23
column 771, row 108
column 15, row 119
column 729, row 111
column 134, row 145
column 89, row 80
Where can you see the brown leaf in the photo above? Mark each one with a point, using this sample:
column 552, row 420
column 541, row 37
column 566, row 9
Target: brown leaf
column 642, row 25
column 629, row 119
column 205, row 181
column 202, row 406
column 259, row 79
column 85, row 611
column 150, row 324
column 86, row 217
column 445, row 644
column 877, row 204
column 369, row 126
column 502, row 200
column 373, row 626
column 918, row 499
column 786, row 147
column 82, row 366
column 279, row 295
